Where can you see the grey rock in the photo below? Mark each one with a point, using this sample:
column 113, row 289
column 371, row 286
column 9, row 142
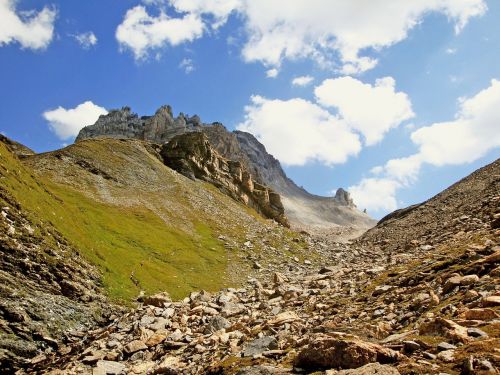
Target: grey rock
column 476, row 332
column 111, row 367
column 260, row 345
column 216, row 323
column 445, row 346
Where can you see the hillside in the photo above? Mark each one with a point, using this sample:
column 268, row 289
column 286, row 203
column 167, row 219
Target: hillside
column 427, row 309
column 303, row 209
column 471, row 202
column 102, row 220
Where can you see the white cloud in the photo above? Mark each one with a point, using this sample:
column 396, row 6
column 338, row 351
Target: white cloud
column 471, row 135
column 371, row 110
column 142, row 33
column 187, row 65
column 31, row 29
column 219, row 9
column 310, row 29
column 348, row 32
column 451, row 51
column 66, row 123
column 86, row 40
column 302, row 80
column 375, row 194
column 272, row 73
column 297, row 131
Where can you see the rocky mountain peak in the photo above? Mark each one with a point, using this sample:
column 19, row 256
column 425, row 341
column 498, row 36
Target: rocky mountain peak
column 303, row 209
column 344, row 197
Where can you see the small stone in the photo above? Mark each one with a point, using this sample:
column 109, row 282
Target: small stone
column 278, row 278
column 135, row 346
column 282, row 318
column 469, row 280
column 410, row 346
column 156, row 339
column 111, row 367
column 158, row 300
column 216, row 323
column 446, row 356
column 442, row 346
column 490, row 301
column 429, row 355
column 476, row 332
column 260, row 345
column 381, row 289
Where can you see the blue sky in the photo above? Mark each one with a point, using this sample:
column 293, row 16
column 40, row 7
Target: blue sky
column 394, row 101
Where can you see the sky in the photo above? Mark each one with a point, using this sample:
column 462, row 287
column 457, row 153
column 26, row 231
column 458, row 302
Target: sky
column 392, row 100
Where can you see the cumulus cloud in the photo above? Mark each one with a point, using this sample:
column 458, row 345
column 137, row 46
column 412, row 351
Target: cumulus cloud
column 302, row 81
column 375, row 194
column 66, row 123
column 86, row 40
column 469, row 136
column 310, row 29
column 272, row 73
column 218, row 9
column 31, row 29
column 142, row 33
column 323, row 30
column 297, row 131
column 187, row 65
column 371, row 109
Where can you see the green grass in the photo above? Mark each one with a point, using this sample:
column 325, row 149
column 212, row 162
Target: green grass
column 132, row 246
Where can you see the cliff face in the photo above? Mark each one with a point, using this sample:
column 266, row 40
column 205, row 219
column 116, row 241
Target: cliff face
column 302, row 208
column 122, row 123
column 192, row 155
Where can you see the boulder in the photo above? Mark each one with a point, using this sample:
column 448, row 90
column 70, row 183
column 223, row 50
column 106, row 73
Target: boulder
column 327, row 353
column 369, row 369
column 260, row 345
column 158, row 300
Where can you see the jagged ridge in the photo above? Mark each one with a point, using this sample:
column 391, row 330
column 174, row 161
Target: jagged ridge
column 301, row 207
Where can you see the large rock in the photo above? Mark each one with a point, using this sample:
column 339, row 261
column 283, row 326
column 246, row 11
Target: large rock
column 446, row 328
column 192, row 155
column 327, row 353
column 369, row 369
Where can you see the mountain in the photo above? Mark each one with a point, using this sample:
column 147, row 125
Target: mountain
column 86, row 229
column 472, row 202
column 302, row 208
column 429, row 305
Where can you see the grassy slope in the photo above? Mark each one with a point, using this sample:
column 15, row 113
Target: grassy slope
column 127, row 243
column 143, row 225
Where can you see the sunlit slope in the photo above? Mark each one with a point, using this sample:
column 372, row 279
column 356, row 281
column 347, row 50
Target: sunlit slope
column 145, row 226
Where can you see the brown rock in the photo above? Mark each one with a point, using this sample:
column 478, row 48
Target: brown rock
column 284, row 317
column 490, row 301
column 156, row 339
column 445, row 328
column 343, row 353
column 369, row 369
column 479, row 314
column 158, row 300
column 135, row 346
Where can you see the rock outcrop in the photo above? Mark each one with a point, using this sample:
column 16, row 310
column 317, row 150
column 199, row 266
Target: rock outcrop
column 302, row 208
column 122, row 123
column 192, row 155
